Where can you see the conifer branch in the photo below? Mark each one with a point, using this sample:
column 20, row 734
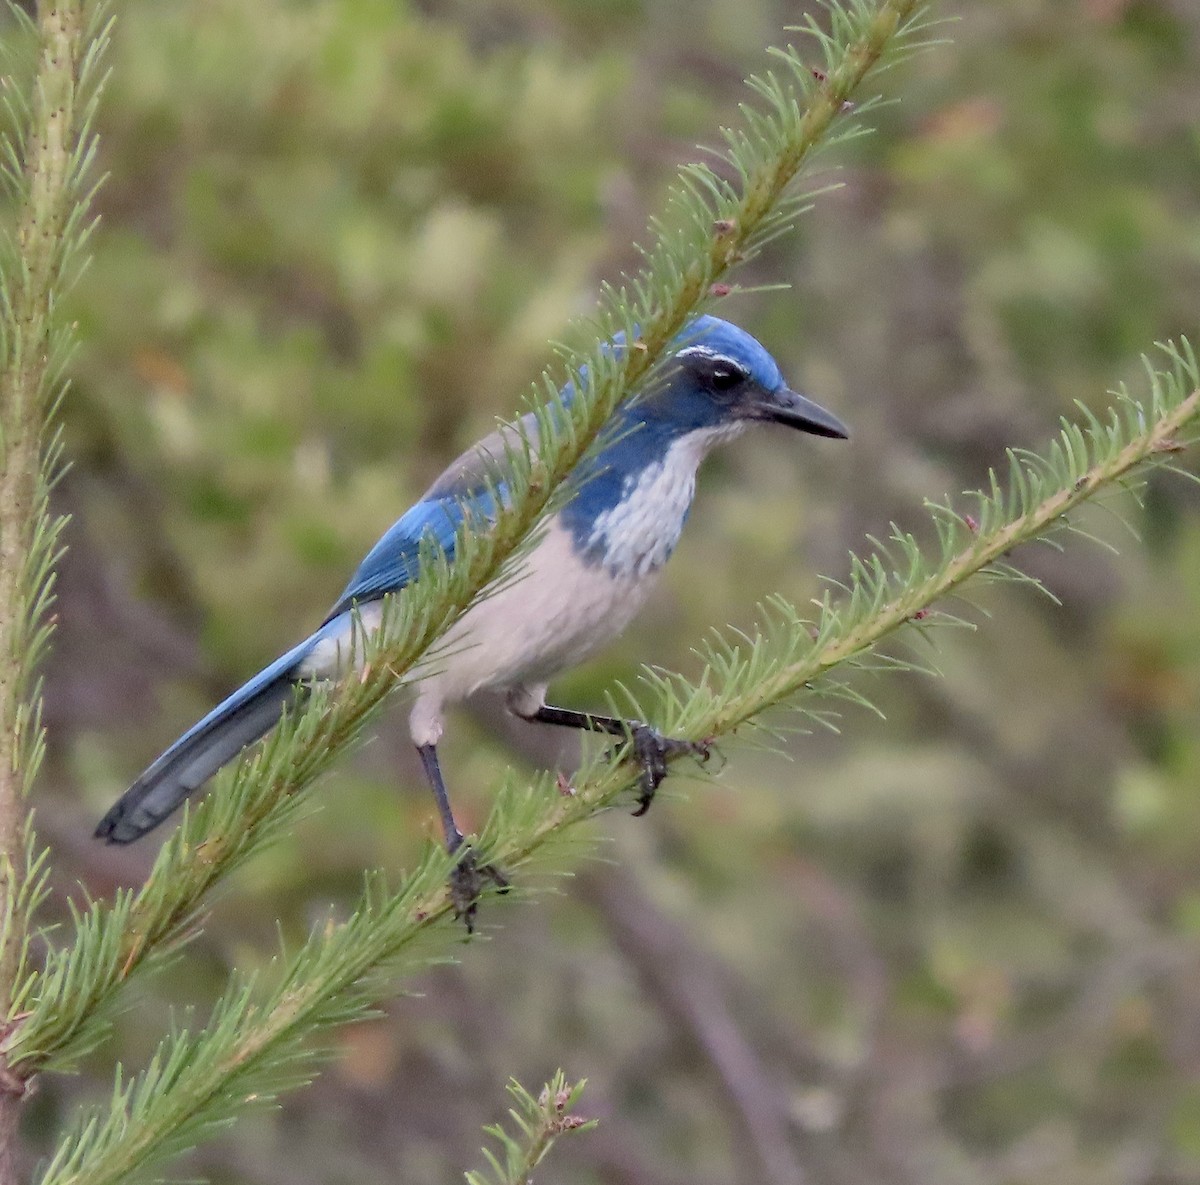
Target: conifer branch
column 898, row 587
column 710, row 228
column 45, row 154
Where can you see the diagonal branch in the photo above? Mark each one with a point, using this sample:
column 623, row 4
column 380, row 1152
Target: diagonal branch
column 711, row 230
column 984, row 551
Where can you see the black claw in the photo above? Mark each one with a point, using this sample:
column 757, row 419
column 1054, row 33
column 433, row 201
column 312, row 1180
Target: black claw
column 468, row 879
column 651, row 751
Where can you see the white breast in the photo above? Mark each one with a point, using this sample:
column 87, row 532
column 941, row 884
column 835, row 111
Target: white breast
column 555, row 614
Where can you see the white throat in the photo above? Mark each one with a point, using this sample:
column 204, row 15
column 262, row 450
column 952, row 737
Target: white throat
column 637, row 536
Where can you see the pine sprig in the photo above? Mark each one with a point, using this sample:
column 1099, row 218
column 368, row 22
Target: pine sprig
column 898, row 586
column 46, row 153
column 537, row 1123
column 711, row 227
column 256, row 1045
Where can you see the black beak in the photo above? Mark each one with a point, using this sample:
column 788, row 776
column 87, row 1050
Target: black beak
column 784, row 406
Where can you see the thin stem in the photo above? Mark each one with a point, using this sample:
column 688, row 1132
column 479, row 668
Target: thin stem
column 1160, row 440
column 29, row 365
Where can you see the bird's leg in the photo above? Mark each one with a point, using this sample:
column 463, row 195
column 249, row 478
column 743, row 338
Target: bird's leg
column 650, row 749
column 433, row 771
column 468, row 877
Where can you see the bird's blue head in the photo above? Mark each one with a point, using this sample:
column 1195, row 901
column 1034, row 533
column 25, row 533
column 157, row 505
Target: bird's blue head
column 634, row 493
column 721, row 377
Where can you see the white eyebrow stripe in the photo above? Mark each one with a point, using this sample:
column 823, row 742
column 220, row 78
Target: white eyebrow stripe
column 712, row 356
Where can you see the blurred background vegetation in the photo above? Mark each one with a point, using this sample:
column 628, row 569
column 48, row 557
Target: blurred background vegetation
column 958, row 944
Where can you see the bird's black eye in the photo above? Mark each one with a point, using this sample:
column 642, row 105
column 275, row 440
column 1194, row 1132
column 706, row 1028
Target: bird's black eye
column 724, row 376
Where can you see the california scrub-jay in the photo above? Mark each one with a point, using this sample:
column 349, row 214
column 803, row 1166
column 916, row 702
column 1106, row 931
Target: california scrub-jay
column 579, row 586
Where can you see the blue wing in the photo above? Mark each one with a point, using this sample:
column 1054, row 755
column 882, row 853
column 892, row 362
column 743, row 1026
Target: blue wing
column 394, row 561
column 471, row 485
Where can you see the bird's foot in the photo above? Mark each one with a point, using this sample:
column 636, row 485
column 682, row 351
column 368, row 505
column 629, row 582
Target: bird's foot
column 651, row 751
column 468, row 879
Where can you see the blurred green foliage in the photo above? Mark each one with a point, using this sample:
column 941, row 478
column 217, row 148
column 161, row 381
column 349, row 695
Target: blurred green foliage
column 956, row 945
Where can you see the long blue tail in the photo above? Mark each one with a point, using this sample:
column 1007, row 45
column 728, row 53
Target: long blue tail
column 249, row 713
